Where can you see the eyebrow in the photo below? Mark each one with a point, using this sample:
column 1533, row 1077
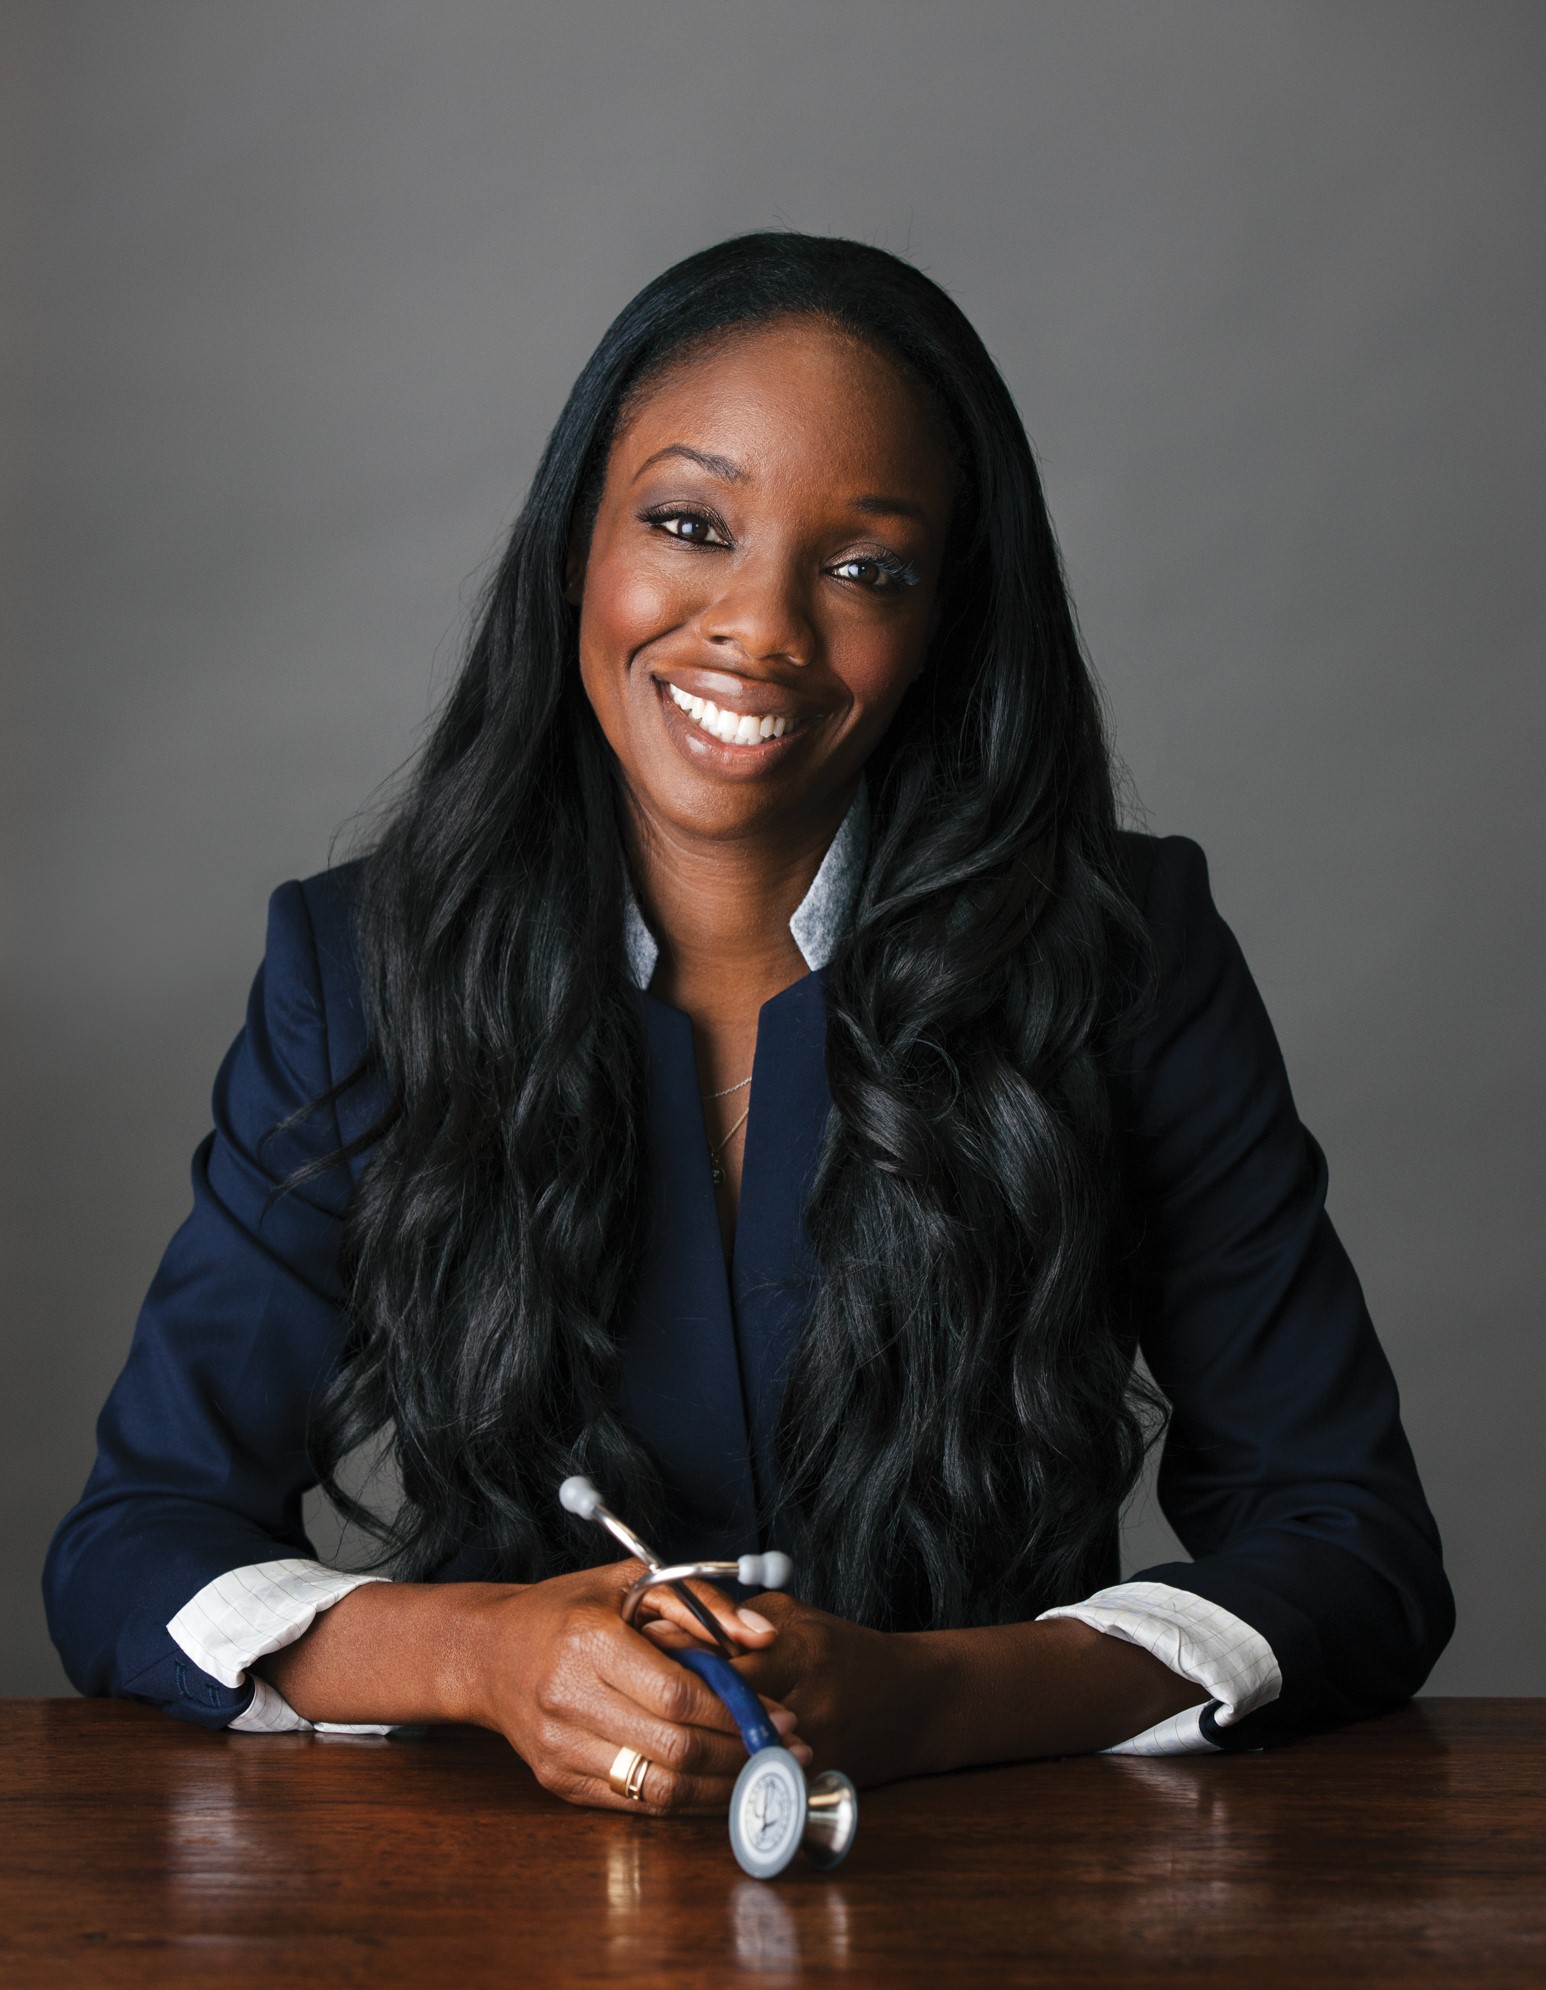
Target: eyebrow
column 718, row 466
column 732, row 473
column 890, row 507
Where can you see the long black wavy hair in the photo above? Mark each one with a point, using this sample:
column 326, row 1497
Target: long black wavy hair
column 960, row 1427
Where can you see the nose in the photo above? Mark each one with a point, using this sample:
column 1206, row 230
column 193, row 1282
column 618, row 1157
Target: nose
column 763, row 613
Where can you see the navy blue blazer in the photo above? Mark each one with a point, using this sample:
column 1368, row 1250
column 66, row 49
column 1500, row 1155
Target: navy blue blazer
column 1286, row 1473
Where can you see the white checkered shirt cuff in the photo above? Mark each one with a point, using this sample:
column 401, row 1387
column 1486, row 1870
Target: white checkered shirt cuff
column 1199, row 1641
column 245, row 1614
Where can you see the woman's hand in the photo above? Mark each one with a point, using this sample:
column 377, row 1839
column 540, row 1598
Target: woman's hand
column 861, row 1697
column 553, row 1667
column 882, row 1705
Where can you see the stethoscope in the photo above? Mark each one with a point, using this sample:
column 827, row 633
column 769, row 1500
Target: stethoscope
column 774, row 1810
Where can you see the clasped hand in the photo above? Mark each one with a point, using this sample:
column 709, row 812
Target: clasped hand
column 569, row 1684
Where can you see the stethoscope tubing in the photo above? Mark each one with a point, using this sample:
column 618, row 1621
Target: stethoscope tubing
column 746, row 1709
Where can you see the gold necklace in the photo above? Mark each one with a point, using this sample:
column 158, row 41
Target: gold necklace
column 741, row 1087
column 716, row 1169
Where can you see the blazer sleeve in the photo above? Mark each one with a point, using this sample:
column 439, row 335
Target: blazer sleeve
column 202, row 1457
column 1286, row 1473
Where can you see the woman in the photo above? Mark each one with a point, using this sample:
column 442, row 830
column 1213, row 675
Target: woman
column 752, row 1069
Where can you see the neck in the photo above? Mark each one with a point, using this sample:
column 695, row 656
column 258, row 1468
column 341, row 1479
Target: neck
column 720, row 907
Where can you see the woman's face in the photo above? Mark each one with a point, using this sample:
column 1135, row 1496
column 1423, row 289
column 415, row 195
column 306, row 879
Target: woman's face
column 760, row 584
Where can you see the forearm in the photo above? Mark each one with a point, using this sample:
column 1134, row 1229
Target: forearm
column 392, row 1652
column 1011, row 1692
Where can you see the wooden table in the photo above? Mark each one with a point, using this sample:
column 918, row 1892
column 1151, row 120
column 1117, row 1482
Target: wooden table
column 1409, row 1850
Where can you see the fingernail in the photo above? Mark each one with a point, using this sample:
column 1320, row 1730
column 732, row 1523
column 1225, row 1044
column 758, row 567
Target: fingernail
column 801, row 1754
column 753, row 1620
column 784, row 1721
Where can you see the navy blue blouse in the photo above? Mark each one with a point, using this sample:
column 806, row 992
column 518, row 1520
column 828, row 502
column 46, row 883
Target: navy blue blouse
column 1286, row 1473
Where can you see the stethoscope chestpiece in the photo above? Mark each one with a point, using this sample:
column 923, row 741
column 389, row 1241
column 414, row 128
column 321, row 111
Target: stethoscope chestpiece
column 774, row 1811
column 831, row 1819
column 768, row 1809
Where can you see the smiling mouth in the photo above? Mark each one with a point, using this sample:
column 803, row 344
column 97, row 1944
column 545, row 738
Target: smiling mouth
column 730, row 728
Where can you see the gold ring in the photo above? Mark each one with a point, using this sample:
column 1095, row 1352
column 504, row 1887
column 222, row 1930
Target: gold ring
column 626, row 1776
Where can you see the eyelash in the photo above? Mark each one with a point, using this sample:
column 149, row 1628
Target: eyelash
column 899, row 573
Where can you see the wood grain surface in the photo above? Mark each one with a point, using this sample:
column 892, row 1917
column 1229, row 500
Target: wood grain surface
column 133, row 1850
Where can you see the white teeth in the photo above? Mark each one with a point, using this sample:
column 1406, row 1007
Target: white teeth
column 734, row 728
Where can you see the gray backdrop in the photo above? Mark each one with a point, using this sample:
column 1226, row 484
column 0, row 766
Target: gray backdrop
column 295, row 291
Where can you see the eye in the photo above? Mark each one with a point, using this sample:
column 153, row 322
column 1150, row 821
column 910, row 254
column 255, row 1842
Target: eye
column 880, row 573
column 694, row 528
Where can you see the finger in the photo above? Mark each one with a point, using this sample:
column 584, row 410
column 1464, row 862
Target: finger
column 680, row 1723
column 697, row 1751
column 669, row 1638
column 661, row 1687
column 673, row 1694
column 770, row 1675
column 664, row 1791
column 745, row 1627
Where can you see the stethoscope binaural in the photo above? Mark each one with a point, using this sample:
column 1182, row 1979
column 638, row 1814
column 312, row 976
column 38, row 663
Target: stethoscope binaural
column 774, row 1810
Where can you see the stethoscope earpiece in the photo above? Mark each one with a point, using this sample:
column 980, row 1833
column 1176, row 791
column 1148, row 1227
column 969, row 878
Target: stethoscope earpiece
column 579, row 1496
column 769, row 1571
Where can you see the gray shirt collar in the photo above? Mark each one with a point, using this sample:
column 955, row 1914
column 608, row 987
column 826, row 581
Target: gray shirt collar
column 820, row 919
